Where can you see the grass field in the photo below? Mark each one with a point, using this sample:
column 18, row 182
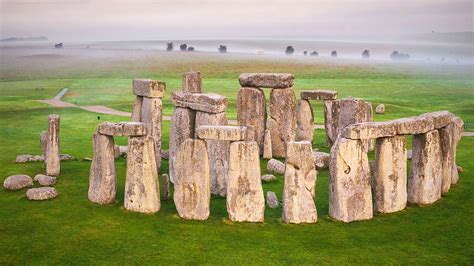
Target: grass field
column 71, row 230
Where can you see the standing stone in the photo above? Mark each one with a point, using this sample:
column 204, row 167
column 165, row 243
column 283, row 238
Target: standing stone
column 350, row 196
column 424, row 184
column 300, row 182
column 102, row 180
column 192, row 82
column 267, row 145
column 370, row 143
column 165, row 187
column 44, row 141
column 137, row 109
column 282, row 121
column 152, row 116
column 192, row 184
column 304, row 121
column 458, row 128
column 182, row 128
column 389, row 182
column 218, row 151
column 142, row 192
column 272, row 200
column 245, row 200
column 251, row 111
column 447, row 156
column 51, row 158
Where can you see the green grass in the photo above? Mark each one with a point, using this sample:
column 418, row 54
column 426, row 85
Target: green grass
column 71, row 230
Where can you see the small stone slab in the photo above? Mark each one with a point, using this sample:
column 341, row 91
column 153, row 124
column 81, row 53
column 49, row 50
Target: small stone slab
column 404, row 126
column 45, row 180
column 192, row 82
column 275, row 166
column 268, row 178
column 321, row 159
column 217, row 132
column 42, row 193
column 319, row 95
column 205, row 102
column 122, row 129
column 17, row 182
column 266, row 80
column 25, row 158
column 149, row 88
column 380, row 109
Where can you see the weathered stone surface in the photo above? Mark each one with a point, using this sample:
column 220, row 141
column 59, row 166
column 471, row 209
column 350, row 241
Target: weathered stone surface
column 25, row 158
column 192, row 82
column 304, row 121
column 272, row 200
column 380, row 109
column 447, row 156
column 142, row 193
column 389, row 175
column 165, row 154
column 116, row 151
column 321, row 159
column 182, row 128
column 43, row 140
column 122, row 129
column 266, row 80
column 245, row 200
column 275, row 166
column 252, row 112
column 220, row 132
column 165, row 187
column 45, row 180
column 404, row 126
column 120, row 151
column 425, row 181
column 319, row 95
column 218, row 151
column 350, row 196
column 16, row 182
column 41, row 193
column 152, row 116
column 102, row 179
column 300, row 182
column 460, row 169
column 192, row 184
column 51, row 156
column 267, row 145
column 282, row 120
column 205, row 102
column 458, row 128
column 149, row 88
column 137, row 109
column 268, row 178
column 409, row 154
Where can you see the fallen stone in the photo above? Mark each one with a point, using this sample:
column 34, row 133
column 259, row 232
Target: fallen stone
column 300, row 182
column 267, row 145
column 122, row 129
column 319, row 95
column 24, row 158
column 220, row 132
column 272, row 200
column 321, row 159
column 304, row 121
column 102, row 179
column 152, row 116
column 165, row 187
column 204, row 102
column 409, row 154
column 66, row 157
column 137, row 109
column 282, row 121
column 192, row 184
column 389, row 182
column 275, row 166
column 252, row 112
column 182, row 128
column 142, row 193
column 350, row 196
column 42, row 193
column 245, row 200
column 45, row 180
column 425, row 181
column 460, row 169
column 51, row 156
column 268, row 178
column 380, row 109
column 266, row 80
column 17, row 182
column 149, row 88
column 192, row 82
column 165, row 154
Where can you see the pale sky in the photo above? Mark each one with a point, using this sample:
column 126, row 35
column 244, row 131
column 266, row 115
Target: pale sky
column 75, row 20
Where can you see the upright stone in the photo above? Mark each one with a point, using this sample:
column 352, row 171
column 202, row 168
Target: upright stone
column 137, row 109
column 142, row 192
column 165, row 186
column 300, row 182
column 251, row 111
column 350, row 196
column 267, row 145
column 182, row 128
column 447, row 156
column 245, row 200
column 44, row 140
column 192, row 82
column 102, row 179
column 51, row 158
column 425, row 181
column 458, row 128
column 152, row 116
column 304, row 121
column 192, row 192
column 389, row 175
column 282, row 121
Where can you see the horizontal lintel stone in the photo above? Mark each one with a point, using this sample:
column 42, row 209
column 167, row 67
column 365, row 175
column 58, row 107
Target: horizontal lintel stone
column 266, row 80
column 217, row 132
column 122, row 129
column 319, row 95
column 149, row 88
column 204, row 102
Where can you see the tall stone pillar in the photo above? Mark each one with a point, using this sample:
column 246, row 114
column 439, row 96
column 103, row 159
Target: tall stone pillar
column 282, row 121
column 51, row 158
column 102, row 179
column 252, row 112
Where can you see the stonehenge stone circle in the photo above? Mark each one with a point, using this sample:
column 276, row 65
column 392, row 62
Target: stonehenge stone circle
column 102, row 179
column 192, row 82
column 17, row 182
column 251, row 111
column 41, row 193
column 282, row 120
column 266, row 80
column 304, row 121
column 51, row 157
